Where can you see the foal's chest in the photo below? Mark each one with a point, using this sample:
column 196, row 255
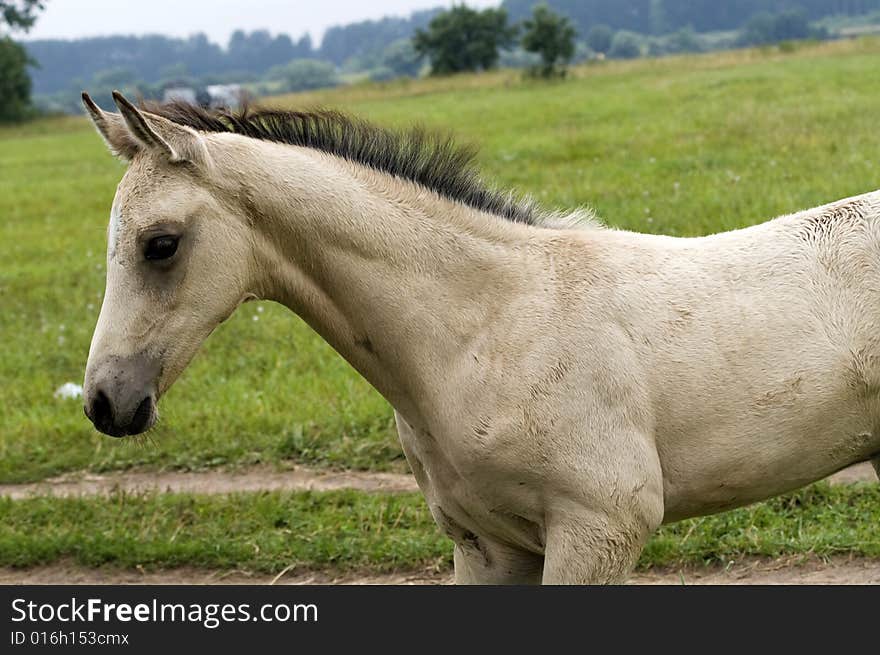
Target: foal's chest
column 472, row 502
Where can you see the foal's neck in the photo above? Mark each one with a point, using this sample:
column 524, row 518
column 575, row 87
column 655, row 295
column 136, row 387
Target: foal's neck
column 401, row 282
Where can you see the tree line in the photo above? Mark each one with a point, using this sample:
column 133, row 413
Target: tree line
column 152, row 57
column 543, row 38
column 464, row 39
column 665, row 16
column 247, row 56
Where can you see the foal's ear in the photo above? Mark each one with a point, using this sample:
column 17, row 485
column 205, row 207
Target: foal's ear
column 132, row 130
column 112, row 129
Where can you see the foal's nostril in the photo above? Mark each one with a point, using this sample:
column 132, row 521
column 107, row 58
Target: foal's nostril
column 101, row 413
column 102, row 410
column 141, row 416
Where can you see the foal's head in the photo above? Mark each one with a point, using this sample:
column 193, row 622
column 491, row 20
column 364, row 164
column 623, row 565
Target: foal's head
column 177, row 265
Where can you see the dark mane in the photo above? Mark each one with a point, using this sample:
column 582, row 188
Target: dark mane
column 431, row 160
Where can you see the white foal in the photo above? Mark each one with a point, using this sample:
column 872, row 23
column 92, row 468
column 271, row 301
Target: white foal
column 560, row 392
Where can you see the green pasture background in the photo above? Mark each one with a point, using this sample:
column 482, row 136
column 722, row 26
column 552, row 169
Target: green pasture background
column 683, row 146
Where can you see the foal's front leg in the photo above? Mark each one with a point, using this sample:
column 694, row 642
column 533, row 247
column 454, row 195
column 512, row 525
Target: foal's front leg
column 592, row 548
column 484, row 562
column 595, row 534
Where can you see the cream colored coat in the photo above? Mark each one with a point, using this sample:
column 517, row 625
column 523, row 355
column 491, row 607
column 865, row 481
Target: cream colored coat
column 559, row 392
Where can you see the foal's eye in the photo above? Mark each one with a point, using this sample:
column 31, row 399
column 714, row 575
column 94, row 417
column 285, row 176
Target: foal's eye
column 161, row 247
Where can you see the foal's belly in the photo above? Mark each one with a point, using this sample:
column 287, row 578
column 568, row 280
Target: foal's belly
column 752, row 459
column 760, row 410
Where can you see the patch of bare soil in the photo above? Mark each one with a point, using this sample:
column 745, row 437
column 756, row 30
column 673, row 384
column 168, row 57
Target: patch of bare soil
column 261, row 478
column 863, row 472
column 66, row 573
column 787, row 571
column 752, row 572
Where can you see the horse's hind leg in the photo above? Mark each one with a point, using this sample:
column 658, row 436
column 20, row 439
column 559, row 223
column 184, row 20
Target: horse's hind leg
column 483, row 562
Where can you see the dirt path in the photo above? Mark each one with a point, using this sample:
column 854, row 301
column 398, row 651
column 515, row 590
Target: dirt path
column 751, row 572
column 73, row 574
column 755, row 571
column 787, row 571
column 262, row 478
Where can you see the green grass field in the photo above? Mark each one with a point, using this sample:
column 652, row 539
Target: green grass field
column 682, row 146
column 269, row 532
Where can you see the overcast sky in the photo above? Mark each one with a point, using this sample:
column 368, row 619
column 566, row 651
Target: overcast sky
column 217, row 18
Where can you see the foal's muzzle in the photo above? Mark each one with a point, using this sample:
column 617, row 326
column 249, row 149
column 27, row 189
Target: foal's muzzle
column 109, row 420
column 119, row 395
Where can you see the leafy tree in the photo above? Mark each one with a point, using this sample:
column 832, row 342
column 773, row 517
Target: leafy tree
column 519, row 58
column 230, row 77
column 659, row 23
column 198, row 53
column 599, row 38
column 304, row 74
column 114, row 78
column 303, row 48
column 176, row 75
column 20, row 14
column 794, row 24
column 625, row 45
column 552, row 37
column 765, row 28
column 15, row 83
column 252, row 51
column 685, row 40
column 365, row 40
column 382, row 74
column 258, row 51
column 758, row 30
column 402, row 59
column 464, row 39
